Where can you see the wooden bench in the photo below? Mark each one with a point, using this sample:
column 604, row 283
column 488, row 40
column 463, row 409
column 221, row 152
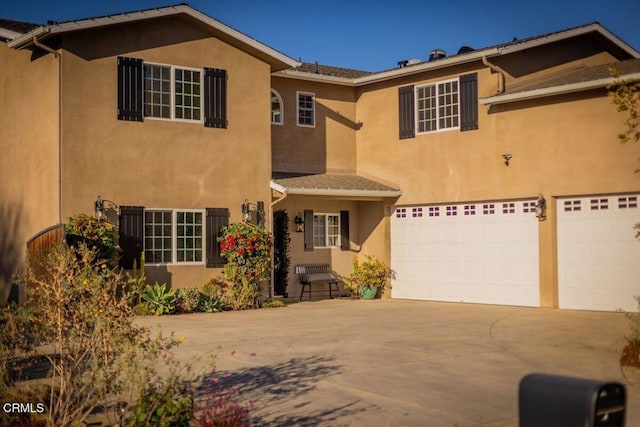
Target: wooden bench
column 313, row 274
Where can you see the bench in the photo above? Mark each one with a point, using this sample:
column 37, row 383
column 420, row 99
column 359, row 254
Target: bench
column 313, row 274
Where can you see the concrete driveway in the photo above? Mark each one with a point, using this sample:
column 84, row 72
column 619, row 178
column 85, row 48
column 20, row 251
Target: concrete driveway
column 399, row 363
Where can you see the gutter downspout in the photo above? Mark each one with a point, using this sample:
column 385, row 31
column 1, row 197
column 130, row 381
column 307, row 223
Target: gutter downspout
column 59, row 58
column 272, row 288
column 500, row 71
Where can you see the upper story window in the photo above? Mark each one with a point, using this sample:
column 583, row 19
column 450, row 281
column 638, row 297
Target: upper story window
column 306, row 109
column 276, row 108
column 438, row 106
column 171, row 92
column 446, row 105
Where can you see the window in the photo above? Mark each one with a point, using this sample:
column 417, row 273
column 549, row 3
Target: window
column 306, row 109
column 171, row 92
column 162, row 83
column 276, row 108
column 326, row 230
column 173, row 236
column 445, row 105
column 438, row 106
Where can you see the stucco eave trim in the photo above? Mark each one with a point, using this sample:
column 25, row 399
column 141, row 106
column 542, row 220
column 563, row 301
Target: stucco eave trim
column 556, row 90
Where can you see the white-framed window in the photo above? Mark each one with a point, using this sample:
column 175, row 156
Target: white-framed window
column 326, row 230
column 277, row 108
column 174, row 236
column 306, row 109
column 438, row 106
column 173, row 93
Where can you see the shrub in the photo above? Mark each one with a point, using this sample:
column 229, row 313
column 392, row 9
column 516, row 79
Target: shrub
column 99, row 236
column 370, row 273
column 247, row 249
column 220, row 406
column 188, row 300
column 214, row 296
column 273, row 303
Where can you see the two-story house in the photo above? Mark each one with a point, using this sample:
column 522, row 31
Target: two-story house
column 157, row 111
column 497, row 175
column 490, row 175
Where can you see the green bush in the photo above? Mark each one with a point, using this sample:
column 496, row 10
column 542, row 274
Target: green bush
column 99, row 236
column 214, row 298
column 247, row 249
column 273, row 303
column 188, row 300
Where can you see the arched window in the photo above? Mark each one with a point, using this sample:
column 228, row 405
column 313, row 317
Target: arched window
column 277, row 110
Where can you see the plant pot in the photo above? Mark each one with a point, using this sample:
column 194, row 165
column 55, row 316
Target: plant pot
column 368, row 293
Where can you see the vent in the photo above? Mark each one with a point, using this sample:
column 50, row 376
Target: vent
column 407, row 62
column 437, row 54
column 465, row 49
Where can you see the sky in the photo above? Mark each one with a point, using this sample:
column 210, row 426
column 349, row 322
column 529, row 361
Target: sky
column 368, row 35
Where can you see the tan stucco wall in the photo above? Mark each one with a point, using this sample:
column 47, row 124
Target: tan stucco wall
column 29, row 161
column 161, row 163
column 329, row 146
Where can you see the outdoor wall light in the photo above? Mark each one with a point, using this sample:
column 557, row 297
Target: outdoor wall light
column 541, row 208
column 248, row 208
column 506, row 158
column 100, row 209
column 299, row 222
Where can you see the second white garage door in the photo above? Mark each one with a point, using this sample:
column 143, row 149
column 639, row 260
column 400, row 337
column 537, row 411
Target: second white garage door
column 478, row 252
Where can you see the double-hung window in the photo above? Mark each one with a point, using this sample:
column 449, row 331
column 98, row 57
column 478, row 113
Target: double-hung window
column 326, row 230
column 174, row 236
column 171, row 92
column 444, row 105
column 306, row 109
column 438, row 106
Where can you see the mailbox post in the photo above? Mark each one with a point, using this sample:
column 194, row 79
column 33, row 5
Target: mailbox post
column 554, row 401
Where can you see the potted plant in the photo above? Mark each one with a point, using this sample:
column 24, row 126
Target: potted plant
column 368, row 277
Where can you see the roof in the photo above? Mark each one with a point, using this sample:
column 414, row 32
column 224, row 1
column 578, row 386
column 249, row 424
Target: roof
column 326, row 70
column 11, row 29
column 277, row 60
column 584, row 78
column 608, row 39
column 334, row 184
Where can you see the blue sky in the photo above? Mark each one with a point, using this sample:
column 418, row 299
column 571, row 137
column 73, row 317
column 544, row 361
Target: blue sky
column 368, row 35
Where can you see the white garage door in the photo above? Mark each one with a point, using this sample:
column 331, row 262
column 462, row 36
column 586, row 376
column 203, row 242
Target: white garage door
column 481, row 253
column 598, row 254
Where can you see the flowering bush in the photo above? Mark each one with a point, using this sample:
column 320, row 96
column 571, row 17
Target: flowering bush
column 97, row 235
column 247, row 249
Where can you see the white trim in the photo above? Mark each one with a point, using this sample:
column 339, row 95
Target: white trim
column 8, row 34
column 337, row 192
column 275, row 92
column 437, row 107
column 557, row 90
column 26, row 39
column 326, row 230
column 313, row 108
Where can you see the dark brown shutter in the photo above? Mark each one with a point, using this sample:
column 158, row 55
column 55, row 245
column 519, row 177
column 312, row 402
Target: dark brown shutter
column 469, row 102
column 217, row 218
column 406, row 117
column 345, row 243
column 130, row 89
column 308, row 230
column 215, row 98
column 131, row 235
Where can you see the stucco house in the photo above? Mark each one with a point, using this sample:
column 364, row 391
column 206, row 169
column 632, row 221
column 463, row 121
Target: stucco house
column 439, row 166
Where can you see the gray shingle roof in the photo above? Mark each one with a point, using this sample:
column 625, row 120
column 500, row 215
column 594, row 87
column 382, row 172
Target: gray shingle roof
column 326, row 70
column 17, row 26
column 336, row 184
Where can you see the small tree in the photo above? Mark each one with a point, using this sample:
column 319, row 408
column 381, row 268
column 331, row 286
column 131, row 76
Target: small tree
column 247, row 249
column 626, row 96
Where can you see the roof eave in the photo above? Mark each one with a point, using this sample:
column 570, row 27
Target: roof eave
column 27, row 39
column 557, row 90
column 335, row 192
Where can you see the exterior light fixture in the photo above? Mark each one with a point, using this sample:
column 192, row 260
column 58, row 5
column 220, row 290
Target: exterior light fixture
column 299, row 221
column 541, row 208
column 100, row 211
column 506, row 158
column 248, row 208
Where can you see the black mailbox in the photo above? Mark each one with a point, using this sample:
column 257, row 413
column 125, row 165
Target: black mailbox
column 553, row 401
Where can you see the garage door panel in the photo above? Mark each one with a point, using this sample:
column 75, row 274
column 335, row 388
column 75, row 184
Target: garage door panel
column 485, row 256
column 598, row 253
